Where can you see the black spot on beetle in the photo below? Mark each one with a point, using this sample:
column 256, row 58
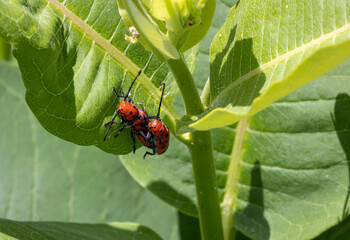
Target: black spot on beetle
column 163, row 146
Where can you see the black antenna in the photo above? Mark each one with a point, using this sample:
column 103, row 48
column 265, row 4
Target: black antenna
column 127, row 94
column 161, row 99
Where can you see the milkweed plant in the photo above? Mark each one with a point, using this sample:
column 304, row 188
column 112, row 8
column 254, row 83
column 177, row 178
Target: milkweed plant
column 257, row 150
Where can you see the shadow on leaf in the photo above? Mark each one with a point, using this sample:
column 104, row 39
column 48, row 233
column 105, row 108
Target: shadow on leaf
column 236, row 60
column 188, row 227
column 169, row 194
column 341, row 120
column 251, row 221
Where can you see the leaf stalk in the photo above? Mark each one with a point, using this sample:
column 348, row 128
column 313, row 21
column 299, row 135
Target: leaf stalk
column 229, row 202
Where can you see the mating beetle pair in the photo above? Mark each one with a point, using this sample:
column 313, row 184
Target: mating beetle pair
column 154, row 134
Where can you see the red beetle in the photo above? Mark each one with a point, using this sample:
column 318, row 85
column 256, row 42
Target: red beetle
column 129, row 114
column 158, row 133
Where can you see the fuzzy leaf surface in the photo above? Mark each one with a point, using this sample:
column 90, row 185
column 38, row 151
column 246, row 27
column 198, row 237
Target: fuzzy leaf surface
column 267, row 49
column 71, row 54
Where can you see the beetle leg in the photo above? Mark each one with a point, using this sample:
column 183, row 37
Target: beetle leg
column 133, row 140
column 153, row 152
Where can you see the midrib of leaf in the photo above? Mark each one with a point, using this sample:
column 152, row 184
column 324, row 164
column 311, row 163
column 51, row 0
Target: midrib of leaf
column 228, row 204
column 119, row 56
column 277, row 60
column 34, row 190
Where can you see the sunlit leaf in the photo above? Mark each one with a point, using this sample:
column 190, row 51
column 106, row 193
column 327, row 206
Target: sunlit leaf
column 267, row 49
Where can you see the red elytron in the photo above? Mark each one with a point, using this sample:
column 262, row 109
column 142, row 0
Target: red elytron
column 158, row 133
column 161, row 133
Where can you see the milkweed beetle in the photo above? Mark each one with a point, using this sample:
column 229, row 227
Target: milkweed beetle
column 158, row 133
column 129, row 114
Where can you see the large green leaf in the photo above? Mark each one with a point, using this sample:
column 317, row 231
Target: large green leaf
column 267, row 49
column 60, row 231
column 43, row 178
column 291, row 179
column 71, row 55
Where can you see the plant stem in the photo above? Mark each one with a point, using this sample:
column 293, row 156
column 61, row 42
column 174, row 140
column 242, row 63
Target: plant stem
column 202, row 157
column 206, row 186
column 187, row 86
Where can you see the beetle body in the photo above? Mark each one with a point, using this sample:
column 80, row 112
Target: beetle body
column 154, row 134
column 128, row 110
column 158, row 133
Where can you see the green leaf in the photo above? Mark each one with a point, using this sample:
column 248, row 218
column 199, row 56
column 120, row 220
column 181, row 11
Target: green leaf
column 71, row 55
column 169, row 176
column 43, row 178
column 55, row 230
column 292, row 165
column 267, row 49
column 338, row 232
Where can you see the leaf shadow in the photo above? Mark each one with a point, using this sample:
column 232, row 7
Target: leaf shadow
column 188, row 227
column 341, row 121
column 237, row 59
column 251, row 221
column 168, row 194
column 65, row 230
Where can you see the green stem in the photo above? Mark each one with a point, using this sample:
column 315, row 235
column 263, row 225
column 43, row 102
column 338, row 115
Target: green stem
column 187, row 86
column 202, row 157
column 5, row 50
